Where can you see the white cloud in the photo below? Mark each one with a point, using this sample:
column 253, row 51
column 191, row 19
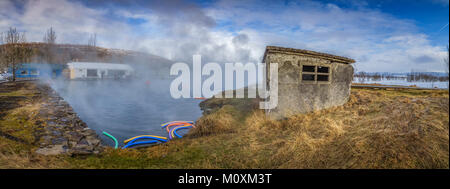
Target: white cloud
column 378, row 41
column 176, row 30
column 72, row 21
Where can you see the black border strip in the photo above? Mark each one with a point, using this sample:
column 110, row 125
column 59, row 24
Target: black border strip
column 170, row 177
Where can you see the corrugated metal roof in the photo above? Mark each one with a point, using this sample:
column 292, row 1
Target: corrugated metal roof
column 97, row 65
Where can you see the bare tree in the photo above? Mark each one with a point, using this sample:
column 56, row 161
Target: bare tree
column 92, row 41
column 50, row 36
column 2, row 61
column 13, row 36
column 15, row 51
column 50, row 39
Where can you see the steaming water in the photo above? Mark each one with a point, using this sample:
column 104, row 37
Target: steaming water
column 126, row 108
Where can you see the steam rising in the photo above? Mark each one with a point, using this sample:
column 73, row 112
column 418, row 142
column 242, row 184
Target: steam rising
column 126, row 108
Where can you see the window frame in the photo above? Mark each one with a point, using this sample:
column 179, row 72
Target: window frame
column 91, row 76
column 36, row 72
column 23, row 72
column 315, row 73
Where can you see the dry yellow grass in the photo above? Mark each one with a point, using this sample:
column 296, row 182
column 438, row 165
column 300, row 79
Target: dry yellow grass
column 375, row 129
column 14, row 155
column 218, row 122
column 20, row 123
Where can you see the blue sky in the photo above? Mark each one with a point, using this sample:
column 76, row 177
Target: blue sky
column 429, row 16
column 389, row 35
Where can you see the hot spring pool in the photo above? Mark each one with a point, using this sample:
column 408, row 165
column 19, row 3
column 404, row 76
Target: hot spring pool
column 126, row 108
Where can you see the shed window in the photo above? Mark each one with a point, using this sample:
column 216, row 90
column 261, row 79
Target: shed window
column 116, row 73
column 315, row 74
column 309, row 68
column 91, row 73
column 308, row 77
column 322, row 69
column 322, row 77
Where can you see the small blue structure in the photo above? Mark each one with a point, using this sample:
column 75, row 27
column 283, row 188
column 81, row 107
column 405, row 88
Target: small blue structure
column 38, row 70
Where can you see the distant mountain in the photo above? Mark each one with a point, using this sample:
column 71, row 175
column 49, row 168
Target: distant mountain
column 64, row 53
column 437, row 74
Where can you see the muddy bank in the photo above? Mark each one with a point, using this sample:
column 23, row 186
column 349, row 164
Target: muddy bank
column 56, row 127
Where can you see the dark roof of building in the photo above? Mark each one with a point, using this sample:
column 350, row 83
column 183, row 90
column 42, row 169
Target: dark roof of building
column 41, row 66
column 308, row 52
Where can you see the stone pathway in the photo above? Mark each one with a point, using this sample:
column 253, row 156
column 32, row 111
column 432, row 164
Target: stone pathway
column 62, row 131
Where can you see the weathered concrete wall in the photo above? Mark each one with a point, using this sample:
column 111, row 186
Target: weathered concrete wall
column 297, row 96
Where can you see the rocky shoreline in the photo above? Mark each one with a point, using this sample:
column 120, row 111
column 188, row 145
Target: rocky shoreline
column 60, row 130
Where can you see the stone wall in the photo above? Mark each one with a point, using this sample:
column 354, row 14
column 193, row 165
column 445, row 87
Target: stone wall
column 61, row 130
column 297, row 96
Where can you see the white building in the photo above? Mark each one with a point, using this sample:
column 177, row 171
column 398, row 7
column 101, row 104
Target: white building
column 91, row 70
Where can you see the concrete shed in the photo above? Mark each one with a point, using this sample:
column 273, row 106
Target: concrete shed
column 308, row 80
